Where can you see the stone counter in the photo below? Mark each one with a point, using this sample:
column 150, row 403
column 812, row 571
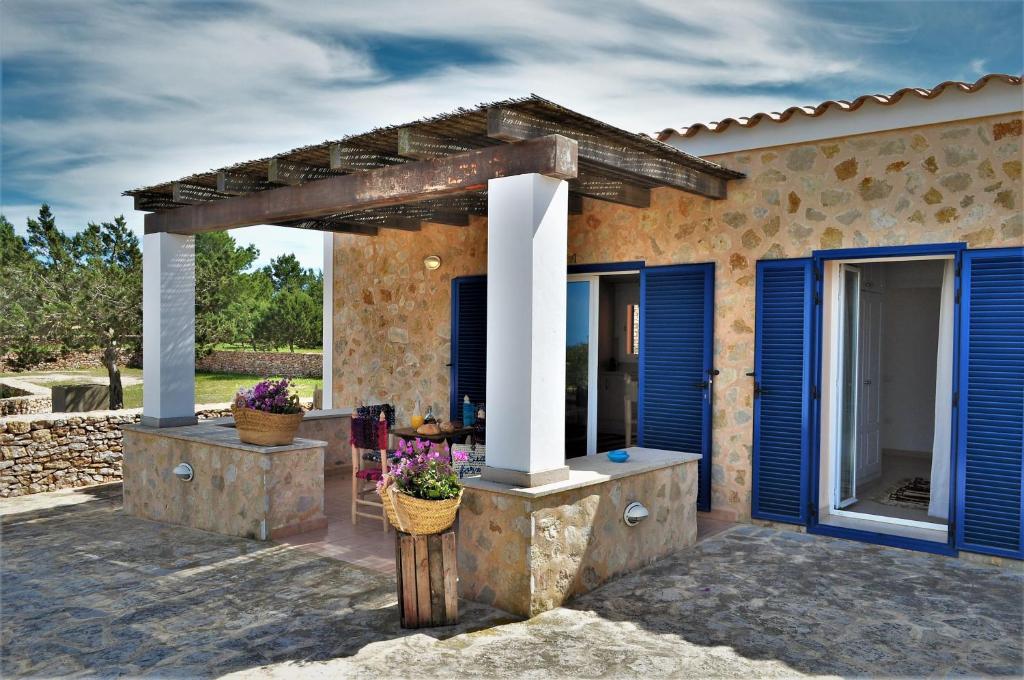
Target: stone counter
column 528, row 550
column 260, row 492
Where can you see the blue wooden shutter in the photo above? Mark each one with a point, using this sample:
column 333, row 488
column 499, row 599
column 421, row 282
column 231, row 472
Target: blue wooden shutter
column 991, row 413
column 782, row 375
column 676, row 344
column 469, row 342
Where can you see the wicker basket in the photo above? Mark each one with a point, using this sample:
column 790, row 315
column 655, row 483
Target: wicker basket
column 417, row 516
column 266, row 429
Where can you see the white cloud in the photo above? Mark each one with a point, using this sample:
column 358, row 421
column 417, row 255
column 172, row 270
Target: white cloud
column 153, row 91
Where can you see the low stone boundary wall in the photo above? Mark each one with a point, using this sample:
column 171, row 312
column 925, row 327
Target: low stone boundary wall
column 293, row 364
column 18, row 397
column 46, row 452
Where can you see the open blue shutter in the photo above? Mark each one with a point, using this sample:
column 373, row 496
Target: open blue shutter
column 782, row 378
column 676, row 344
column 991, row 426
column 469, row 342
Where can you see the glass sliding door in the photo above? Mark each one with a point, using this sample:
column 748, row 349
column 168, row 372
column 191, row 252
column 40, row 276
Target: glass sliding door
column 849, row 383
column 581, row 366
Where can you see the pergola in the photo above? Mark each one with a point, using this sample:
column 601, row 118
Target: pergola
column 524, row 163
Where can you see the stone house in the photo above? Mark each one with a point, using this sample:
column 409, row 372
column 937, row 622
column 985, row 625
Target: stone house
column 940, row 166
column 814, row 317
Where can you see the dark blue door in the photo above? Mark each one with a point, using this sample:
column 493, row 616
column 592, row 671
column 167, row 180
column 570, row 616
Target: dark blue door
column 469, row 342
column 990, row 504
column 676, row 346
column 782, row 381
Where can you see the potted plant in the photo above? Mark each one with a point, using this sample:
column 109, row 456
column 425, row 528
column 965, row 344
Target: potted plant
column 421, row 492
column 268, row 414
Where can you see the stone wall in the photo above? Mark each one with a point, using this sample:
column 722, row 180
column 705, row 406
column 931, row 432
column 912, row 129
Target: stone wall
column 68, row 362
column 957, row 181
column 291, row 364
column 527, row 555
column 58, row 450
column 18, row 397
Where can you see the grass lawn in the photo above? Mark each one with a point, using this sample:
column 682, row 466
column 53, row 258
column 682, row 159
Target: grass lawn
column 216, row 388
column 211, row 388
column 230, row 347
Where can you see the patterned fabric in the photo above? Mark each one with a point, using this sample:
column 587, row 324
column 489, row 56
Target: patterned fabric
column 370, row 474
column 373, row 413
column 371, row 456
column 369, row 433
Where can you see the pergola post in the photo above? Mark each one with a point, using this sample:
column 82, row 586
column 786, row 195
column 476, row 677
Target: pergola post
column 168, row 330
column 527, row 238
column 327, row 397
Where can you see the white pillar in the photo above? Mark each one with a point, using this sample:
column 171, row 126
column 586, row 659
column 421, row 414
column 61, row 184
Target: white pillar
column 168, row 330
column 527, row 240
column 328, row 337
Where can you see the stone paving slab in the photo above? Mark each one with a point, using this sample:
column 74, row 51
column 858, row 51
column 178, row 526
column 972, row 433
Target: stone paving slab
column 90, row 592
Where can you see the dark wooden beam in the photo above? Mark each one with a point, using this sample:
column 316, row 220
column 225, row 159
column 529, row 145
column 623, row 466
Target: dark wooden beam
column 450, row 219
column 280, row 171
column 575, row 203
column 238, row 184
column 333, row 224
column 511, row 125
column 351, row 158
column 611, row 190
column 413, row 143
column 554, row 156
column 400, row 222
column 185, row 193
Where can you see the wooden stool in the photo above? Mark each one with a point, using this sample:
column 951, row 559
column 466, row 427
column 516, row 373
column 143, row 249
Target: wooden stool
column 428, row 584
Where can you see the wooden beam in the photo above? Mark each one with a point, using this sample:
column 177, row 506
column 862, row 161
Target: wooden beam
column 575, row 204
column 554, row 156
column 450, row 219
column 511, row 125
column 611, row 190
column 413, row 143
column 280, row 171
column 185, row 193
column 397, row 222
column 334, row 225
column 351, row 158
column 238, row 184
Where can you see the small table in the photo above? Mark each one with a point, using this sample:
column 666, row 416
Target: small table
column 457, row 436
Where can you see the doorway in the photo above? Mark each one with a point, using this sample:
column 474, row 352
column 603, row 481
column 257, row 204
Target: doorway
column 602, row 356
column 887, row 365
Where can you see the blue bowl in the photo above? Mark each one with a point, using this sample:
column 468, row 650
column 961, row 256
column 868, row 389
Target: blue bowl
column 618, row 456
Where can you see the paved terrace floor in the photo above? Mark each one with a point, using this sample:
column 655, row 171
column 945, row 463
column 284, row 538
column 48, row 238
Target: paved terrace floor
column 88, row 591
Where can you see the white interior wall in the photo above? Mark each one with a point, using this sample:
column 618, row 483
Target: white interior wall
column 909, row 344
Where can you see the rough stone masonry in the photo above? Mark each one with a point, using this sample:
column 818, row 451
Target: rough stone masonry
column 54, row 451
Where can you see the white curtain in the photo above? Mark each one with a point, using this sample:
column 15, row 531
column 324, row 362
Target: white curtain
column 938, row 506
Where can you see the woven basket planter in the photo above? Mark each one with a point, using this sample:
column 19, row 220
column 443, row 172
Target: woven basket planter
column 417, row 516
column 266, row 429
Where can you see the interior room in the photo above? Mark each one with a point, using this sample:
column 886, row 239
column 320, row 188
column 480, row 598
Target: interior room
column 618, row 360
column 892, row 366
column 602, row 350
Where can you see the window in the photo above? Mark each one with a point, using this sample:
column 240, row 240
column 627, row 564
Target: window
column 632, row 330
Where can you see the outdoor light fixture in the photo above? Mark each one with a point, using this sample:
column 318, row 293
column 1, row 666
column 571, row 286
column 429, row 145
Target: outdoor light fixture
column 432, row 262
column 634, row 514
column 184, row 472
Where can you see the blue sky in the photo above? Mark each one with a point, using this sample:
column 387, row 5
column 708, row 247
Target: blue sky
column 101, row 96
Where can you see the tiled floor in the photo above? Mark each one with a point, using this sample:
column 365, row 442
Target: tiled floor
column 366, row 544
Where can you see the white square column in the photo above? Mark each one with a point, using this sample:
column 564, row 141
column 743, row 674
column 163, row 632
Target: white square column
column 527, row 240
column 327, row 398
column 168, row 330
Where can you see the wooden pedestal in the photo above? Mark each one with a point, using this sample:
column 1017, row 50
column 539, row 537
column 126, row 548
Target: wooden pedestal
column 427, row 573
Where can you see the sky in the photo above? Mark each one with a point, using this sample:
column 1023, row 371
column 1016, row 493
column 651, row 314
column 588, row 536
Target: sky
column 99, row 96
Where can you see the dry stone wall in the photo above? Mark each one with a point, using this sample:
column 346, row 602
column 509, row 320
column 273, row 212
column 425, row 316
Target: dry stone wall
column 58, row 451
column 292, row 364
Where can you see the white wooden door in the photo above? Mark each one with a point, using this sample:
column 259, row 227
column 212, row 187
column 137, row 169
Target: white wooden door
column 869, row 455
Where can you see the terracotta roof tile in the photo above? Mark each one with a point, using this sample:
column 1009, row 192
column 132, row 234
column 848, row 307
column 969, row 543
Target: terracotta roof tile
column 841, row 104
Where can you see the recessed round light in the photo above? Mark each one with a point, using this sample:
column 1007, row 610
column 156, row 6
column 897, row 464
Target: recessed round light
column 432, row 262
